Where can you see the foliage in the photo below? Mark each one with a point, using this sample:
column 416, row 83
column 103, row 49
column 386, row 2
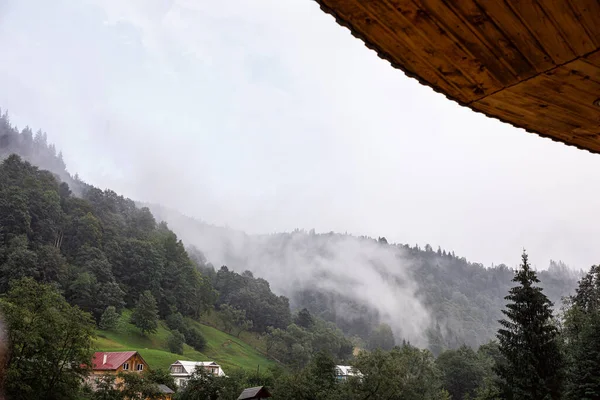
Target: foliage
column 50, row 342
column 175, row 342
column 138, row 387
column 106, row 389
column 194, row 338
column 145, row 313
column 381, row 338
column 582, row 334
column 162, row 377
column 304, row 319
column 462, row 372
column 201, row 386
column 529, row 341
column 295, row 345
column 234, row 318
column 109, row 318
column 405, row 372
column 254, row 296
column 176, row 322
column 316, row 381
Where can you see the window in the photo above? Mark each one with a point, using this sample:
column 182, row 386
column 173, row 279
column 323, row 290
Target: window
column 177, row 369
column 125, row 366
column 140, row 367
column 182, row 383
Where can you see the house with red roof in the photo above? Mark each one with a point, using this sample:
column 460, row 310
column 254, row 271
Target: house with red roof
column 115, row 362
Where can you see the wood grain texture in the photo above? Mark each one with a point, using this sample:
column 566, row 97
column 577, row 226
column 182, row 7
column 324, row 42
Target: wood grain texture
column 532, row 63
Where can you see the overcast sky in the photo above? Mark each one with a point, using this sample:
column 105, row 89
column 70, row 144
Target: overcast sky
column 265, row 115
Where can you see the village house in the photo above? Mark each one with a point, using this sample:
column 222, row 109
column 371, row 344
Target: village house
column 343, row 372
column 182, row 371
column 116, row 362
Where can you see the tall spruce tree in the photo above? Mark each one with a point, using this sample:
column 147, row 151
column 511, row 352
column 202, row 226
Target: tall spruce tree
column 582, row 333
column 529, row 342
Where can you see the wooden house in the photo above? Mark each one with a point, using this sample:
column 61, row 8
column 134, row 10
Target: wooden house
column 532, row 64
column 114, row 362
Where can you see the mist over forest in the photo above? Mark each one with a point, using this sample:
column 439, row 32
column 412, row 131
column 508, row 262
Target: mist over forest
column 429, row 296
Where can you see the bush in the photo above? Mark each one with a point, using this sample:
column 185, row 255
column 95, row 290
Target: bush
column 175, row 342
column 175, row 322
column 195, row 339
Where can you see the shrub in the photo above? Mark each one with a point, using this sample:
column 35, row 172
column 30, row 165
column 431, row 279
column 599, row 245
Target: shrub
column 195, row 339
column 175, row 342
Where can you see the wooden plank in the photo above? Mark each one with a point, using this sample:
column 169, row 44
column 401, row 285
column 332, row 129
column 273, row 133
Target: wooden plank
column 512, row 27
column 594, row 59
column 421, row 30
column 460, row 32
column 588, row 13
column 398, row 52
column 579, row 75
column 496, row 40
column 533, row 114
column 587, row 72
column 538, row 23
column 565, row 20
column 543, row 92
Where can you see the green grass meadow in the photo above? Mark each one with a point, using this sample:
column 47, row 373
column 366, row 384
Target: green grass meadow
column 226, row 350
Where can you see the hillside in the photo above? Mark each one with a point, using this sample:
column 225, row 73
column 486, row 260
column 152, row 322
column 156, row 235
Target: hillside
column 228, row 351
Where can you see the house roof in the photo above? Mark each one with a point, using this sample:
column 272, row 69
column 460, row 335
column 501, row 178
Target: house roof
column 165, row 389
column 254, row 393
column 190, row 366
column 344, row 369
column 114, row 359
column 532, row 64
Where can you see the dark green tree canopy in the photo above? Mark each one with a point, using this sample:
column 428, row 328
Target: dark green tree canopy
column 145, row 313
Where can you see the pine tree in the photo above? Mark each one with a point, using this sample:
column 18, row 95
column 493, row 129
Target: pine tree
column 533, row 365
column 582, row 333
column 145, row 314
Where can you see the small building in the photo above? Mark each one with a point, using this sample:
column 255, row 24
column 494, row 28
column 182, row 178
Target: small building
column 166, row 392
column 343, row 372
column 182, row 371
column 259, row 392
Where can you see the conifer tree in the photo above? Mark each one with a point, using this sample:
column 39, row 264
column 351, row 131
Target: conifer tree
column 582, row 333
column 145, row 314
column 533, row 365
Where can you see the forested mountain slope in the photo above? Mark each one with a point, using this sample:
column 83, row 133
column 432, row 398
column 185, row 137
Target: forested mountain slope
column 106, row 251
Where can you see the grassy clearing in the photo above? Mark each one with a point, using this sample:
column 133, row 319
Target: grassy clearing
column 228, row 351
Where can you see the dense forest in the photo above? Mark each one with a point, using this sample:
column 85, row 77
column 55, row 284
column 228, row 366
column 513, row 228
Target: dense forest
column 73, row 257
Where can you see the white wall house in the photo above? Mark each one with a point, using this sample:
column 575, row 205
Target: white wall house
column 182, row 371
column 343, row 372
